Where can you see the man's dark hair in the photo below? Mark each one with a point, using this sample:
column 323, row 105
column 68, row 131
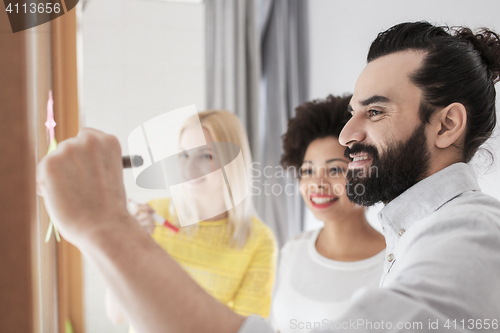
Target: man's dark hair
column 313, row 120
column 459, row 66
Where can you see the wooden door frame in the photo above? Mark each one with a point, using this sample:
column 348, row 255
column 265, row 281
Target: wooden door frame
column 18, row 288
column 24, row 285
column 66, row 106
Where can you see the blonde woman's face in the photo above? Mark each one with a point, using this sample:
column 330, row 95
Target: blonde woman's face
column 199, row 167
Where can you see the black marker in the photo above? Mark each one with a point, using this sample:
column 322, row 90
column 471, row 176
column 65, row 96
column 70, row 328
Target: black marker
column 132, row 161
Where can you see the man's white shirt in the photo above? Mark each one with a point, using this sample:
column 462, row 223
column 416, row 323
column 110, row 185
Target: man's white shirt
column 442, row 268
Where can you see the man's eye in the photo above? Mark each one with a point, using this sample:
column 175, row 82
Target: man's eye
column 207, row 156
column 373, row 113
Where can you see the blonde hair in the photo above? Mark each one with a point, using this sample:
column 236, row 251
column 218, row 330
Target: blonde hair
column 224, row 126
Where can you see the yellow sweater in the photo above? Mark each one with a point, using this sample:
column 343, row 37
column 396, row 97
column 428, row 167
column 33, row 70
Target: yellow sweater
column 241, row 278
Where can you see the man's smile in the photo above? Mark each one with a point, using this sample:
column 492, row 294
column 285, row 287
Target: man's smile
column 360, row 160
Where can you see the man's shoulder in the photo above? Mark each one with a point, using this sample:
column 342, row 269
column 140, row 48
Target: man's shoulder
column 472, row 211
column 471, row 206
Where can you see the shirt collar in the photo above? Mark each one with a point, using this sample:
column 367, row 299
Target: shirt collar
column 427, row 196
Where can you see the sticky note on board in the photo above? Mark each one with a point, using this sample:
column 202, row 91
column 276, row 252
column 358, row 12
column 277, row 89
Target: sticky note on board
column 183, row 171
column 50, row 124
column 52, row 226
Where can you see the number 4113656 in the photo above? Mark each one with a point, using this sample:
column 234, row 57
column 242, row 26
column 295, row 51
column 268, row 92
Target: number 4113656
column 34, row 8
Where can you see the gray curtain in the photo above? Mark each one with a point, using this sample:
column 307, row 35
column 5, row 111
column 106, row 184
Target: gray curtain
column 233, row 61
column 257, row 67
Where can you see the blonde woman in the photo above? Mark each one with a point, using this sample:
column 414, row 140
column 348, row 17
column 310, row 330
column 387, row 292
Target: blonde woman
column 231, row 255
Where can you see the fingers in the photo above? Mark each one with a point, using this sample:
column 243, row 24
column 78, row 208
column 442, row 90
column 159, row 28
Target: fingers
column 138, row 209
column 146, row 221
column 143, row 214
column 89, row 143
column 40, row 190
column 144, row 218
column 82, row 183
column 91, row 134
column 97, row 143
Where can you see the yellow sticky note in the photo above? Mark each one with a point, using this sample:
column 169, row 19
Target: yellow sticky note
column 69, row 327
column 52, row 147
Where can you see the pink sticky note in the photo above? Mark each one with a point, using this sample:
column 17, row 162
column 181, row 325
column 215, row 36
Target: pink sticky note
column 50, row 123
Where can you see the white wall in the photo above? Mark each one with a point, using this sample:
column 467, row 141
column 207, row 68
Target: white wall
column 140, row 59
column 143, row 58
column 341, row 33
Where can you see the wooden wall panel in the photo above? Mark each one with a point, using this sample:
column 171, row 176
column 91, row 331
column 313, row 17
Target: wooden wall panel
column 17, row 189
column 40, row 283
column 39, row 84
column 65, row 81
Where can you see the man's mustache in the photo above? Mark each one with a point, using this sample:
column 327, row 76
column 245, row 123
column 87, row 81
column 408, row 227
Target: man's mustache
column 361, row 148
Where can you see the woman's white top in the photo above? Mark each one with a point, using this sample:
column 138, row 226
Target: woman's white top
column 311, row 290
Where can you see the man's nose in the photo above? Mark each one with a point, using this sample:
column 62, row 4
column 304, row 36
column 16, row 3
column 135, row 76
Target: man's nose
column 353, row 131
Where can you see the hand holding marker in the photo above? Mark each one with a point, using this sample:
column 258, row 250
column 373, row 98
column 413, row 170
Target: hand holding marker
column 147, row 217
column 144, row 220
column 127, row 161
column 132, row 161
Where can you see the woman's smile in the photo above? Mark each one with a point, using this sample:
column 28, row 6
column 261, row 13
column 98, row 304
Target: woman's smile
column 322, row 201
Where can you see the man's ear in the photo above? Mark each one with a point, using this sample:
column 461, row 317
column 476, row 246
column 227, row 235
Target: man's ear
column 450, row 124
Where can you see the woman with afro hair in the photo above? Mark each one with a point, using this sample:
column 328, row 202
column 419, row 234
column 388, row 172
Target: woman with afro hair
column 320, row 270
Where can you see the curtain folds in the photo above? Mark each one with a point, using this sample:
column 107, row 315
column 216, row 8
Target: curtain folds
column 257, row 68
column 233, row 60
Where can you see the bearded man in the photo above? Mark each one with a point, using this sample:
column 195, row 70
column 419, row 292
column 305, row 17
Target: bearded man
column 421, row 108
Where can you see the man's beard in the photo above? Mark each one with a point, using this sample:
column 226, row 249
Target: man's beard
column 400, row 167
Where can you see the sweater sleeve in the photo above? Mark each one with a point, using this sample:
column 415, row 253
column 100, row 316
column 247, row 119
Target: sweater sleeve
column 254, row 295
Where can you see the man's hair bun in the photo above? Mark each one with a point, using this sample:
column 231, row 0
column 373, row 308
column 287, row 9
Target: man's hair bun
column 487, row 44
column 460, row 66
